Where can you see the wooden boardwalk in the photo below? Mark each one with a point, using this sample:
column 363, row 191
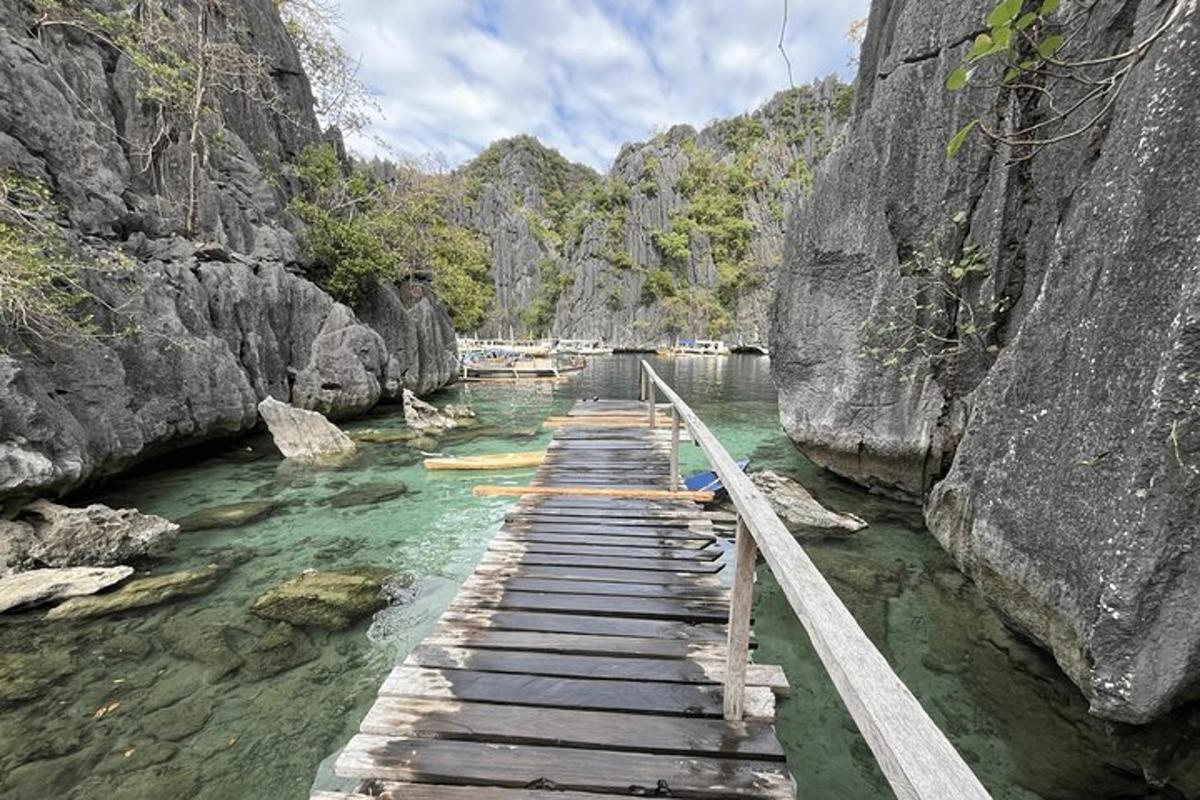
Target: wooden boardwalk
column 585, row 656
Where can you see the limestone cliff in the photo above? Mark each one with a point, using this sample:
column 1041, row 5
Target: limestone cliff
column 195, row 328
column 1055, row 431
column 683, row 237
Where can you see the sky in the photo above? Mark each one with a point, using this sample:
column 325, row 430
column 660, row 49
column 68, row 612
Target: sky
column 584, row 76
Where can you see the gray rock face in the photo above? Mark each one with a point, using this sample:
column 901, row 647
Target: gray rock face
column 305, row 436
column 800, row 511
column 1059, row 450
column 95, row 536
column 39, row 586
column 210, row 326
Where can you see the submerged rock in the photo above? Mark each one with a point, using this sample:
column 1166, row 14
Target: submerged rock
column 384, row 436
column 40, row 586
column 281, row 648
column 24, row 676
column 304, row 435
column 800, row 511
column 233, row 515
column 367, row 494
column 139, row 594
column 178, row 721
column 93, row 536
column 330, row 600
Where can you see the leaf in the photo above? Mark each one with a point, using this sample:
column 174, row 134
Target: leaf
column 1004, row 13
column 1050, row 45
column 1011, row 74
column 983, row 46
column 1002, row 36
column 1025, row 21
column 1048, row 7
column 956, row 141
column 958, row 79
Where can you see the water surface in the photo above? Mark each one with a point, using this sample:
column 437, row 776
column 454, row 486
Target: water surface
column 187, row 725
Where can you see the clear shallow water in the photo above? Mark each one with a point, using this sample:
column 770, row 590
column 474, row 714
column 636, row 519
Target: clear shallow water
column 186, row 726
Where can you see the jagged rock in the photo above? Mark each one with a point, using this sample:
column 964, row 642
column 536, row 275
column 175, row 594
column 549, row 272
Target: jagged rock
column 223, row 321
column 423, row 417
column 800, row 511
column 139, row 593
column 1067, row 460
column 305, row 436
column 368, row 494
column 93, row 536
column 40, row 586
column 330, row 600
column 233, row 515
column 16, row 539
column 281, row 648
column 421, row 343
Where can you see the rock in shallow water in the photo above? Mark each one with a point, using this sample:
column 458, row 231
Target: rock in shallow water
column 139, row 594
column 304, row 435
column 330, row 600
column 93, row 536
column 800, row 511
column 40, row 586
column 23, row 676
column 233, row 515
column 367, row 494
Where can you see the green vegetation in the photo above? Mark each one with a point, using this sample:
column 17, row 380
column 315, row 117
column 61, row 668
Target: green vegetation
column 843, row 103
column 659, row 285
column 363, row 231
column 674, row 245
column 540, row 316
column 43, row 291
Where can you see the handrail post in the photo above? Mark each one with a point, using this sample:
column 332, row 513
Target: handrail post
column 740, row 604
column 653, row 403
column 674, row 448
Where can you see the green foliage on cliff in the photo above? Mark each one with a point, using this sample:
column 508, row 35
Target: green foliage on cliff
column 363, row 230
column 560, row 183
column 659, row 285
column 843, row 103
column 43, row 288
column 674, row 245
column 552, row 281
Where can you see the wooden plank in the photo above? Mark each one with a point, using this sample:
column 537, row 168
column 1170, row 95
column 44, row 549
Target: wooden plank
column 682, row 610
column 489, row 461
column 672, row 567
column 513, row 567
column 616, row 646
column 588, row 491
column 597, row 549
column 740, row 605
column 427, row 718
column 624, row 540
column 671, row 670
column 469, row 612
column 615, row 525
column 570, row 587
column 915, row 756
column 436, row 760
column 644, row 697
column 391, row 790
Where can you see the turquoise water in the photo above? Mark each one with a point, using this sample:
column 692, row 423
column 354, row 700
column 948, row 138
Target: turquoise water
column 207, row 710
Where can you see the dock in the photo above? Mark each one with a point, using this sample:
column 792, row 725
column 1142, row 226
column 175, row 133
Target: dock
column 602, row 646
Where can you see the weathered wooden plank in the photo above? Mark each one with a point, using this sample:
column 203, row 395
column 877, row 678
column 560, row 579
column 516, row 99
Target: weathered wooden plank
column 683, row 610
column 682, row 699
column 514, row 567
column 915, row 756
column 611, row 590
column 596, row 517
column 391, row 790
column 678, row 566
column 428, row 718
column 598, row 550
column 740, row 604
column 587, row 491
column 484, row 638
column 652, row 541
column 437, row 760
column 469, row 612
column 672, row 670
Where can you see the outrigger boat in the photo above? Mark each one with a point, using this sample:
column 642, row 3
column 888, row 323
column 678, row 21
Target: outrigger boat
column 700, row 347
column 582, row 347
column 501, row 365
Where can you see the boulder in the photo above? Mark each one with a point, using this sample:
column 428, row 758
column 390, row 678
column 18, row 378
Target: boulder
column 304, row 436
column 281, row 648
column 16, row 539
column 233, row 515
column 94, row 536
column 424, row 417
column 139, row 594
column 40, row 586
column 330, row 600
column 800, row 511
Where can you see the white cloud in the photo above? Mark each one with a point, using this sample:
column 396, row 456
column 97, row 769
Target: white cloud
column 583, row 76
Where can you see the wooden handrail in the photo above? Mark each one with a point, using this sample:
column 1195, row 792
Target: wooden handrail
column 914, row 755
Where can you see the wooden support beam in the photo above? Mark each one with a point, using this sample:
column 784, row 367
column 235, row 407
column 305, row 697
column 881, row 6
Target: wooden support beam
column 591, row 491
column 740, row 604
